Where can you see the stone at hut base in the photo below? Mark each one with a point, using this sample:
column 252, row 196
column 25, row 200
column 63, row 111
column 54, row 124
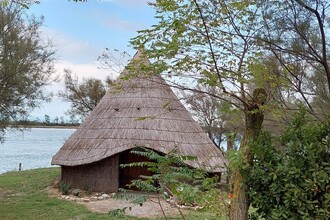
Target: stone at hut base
column 86, row 200
column 105, row 196
column 76, row 192
column 94, row 198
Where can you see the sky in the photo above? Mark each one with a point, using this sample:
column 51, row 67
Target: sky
column 81, row 31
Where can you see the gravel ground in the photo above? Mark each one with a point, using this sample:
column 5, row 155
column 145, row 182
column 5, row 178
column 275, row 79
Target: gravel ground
column 149, row 209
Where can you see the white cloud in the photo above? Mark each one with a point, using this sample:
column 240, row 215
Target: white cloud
column 70, row 48
column 118, row 23
column 132, row 3
column 130, row 18
column 84, row 70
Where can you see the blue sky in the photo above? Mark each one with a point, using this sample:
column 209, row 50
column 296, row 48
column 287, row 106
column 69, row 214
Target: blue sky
column 80, row 31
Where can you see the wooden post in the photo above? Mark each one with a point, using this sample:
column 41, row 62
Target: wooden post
column 19, row 166
column 227, row 178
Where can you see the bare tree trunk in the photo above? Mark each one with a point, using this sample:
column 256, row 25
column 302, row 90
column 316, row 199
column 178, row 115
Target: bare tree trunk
column 254, row 117
column 239, row 205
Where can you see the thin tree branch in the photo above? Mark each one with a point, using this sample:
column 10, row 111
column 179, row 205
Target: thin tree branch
column 213, row 55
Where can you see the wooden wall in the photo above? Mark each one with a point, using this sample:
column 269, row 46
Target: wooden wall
column 102, row 176
column 106, row 175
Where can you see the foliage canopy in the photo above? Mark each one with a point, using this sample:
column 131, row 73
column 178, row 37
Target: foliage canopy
column 83, row 96
column 25, row 64
column 291, row 179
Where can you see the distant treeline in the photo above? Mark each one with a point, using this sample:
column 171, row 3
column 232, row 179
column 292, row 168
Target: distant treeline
column 47, row 122
column 27, row 123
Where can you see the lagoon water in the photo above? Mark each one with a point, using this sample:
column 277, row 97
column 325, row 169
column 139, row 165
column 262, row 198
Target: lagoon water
column 33, row 148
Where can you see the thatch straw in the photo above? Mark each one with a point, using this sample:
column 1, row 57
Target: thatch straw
column 142, row 111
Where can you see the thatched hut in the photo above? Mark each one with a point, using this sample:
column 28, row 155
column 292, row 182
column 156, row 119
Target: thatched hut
column 141, row 110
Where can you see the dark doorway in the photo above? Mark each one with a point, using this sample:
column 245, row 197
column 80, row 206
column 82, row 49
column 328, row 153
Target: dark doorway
column 127, row 174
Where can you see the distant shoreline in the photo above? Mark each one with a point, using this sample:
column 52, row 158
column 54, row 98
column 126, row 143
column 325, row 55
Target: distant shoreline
column 46, row 126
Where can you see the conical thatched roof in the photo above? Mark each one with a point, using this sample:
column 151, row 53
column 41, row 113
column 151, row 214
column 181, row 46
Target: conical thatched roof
column 143, row 111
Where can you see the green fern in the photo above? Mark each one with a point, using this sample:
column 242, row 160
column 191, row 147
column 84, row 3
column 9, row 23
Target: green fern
column 173, row 176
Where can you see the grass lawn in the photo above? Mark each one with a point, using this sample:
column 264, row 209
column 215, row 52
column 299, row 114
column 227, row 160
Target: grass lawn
column 23, row 196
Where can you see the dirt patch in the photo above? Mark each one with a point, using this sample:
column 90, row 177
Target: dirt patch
column 8, row 193
column 5, row 192
column 52, row 191
column 150, row 209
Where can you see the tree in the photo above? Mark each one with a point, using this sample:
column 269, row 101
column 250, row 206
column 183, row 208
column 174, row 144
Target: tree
column 23, row 3
column 321, row 100
column 214, row 115
column 83, row 96
column 225, row 44
column 56, row 120
column 25, row 64
column 113, row 60
column 297, row 35
column 47, row 119
column 62, row 121
column 214, row 43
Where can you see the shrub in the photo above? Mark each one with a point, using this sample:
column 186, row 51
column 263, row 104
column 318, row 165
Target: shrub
column 65, row 188
column 292, row 181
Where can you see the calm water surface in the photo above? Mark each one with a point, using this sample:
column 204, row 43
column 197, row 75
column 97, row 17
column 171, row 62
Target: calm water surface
column 33, row 148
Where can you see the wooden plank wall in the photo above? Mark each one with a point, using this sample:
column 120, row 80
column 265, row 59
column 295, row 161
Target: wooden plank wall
column 102, row 176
